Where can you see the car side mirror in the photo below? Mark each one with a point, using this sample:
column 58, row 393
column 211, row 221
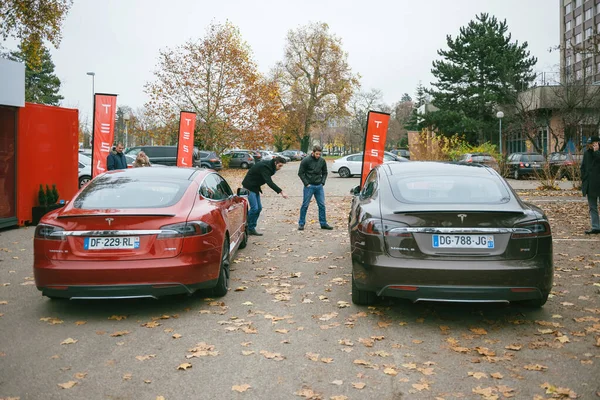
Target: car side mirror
column 243, row 192
column 355, row 190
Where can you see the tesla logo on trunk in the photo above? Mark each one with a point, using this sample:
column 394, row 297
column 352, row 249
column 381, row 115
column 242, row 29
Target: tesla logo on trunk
column 462, row 217
column 109, row 220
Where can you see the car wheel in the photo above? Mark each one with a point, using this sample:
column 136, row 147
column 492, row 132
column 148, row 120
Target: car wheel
column 84, row 180
column 516, row 174
column 220, row 289
column 362, row 297
column 244, row 165
column 344, row 172
column 535, row 303
column 244, row 241
column 205, row 166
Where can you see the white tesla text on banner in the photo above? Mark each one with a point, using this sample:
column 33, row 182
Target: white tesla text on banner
column 185, row 145
column 104, row 130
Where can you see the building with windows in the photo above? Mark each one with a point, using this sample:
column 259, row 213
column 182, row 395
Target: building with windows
column 580, row 40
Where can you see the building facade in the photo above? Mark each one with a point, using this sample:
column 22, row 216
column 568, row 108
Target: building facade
column 580, row 40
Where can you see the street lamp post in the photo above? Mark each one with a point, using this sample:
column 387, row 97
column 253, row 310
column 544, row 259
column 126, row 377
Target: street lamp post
column 126, row 118
column 93, row 75
column 500, row 115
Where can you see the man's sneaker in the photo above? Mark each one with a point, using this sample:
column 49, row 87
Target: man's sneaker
column 326, row 226
column 300, row 227
column 252, row 232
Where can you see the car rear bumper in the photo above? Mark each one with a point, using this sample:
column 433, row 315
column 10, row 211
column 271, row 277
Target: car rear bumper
column 443, row 280
column 185, row 273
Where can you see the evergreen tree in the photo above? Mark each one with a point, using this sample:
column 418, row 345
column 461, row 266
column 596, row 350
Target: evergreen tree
column 420, row 98
column 481, row 69
column 405, row 97
column 41, row 84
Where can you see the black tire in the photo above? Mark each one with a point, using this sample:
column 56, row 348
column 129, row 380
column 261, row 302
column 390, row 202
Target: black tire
column 222, row 286
column 244, row 165
column 244, row 241
column 344, row 172
column 362, row 297
column 516, row 174
column 535, row 303
column 84, row 180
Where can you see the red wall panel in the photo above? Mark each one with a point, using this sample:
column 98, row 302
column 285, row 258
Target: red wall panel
column 47, row 154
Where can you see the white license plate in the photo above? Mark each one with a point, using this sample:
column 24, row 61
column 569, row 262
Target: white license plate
column 463, row 241
column 121, row 242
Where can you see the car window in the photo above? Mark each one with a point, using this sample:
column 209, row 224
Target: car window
column 214, row 187
column 449, row 189
column 134, row 152
column 357, row 157
column 150, row 151
column 117, row 192
column 370, row 186
column 387, row 157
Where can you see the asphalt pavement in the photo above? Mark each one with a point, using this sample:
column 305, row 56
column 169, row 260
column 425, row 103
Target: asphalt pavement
column 287, row 329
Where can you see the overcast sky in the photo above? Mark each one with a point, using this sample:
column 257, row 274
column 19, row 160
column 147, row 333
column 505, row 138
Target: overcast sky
column 391, row 44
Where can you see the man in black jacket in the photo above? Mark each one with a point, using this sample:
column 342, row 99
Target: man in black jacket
column 116, row 160
column 313, row 173
column 590, row 181
column 258, row 175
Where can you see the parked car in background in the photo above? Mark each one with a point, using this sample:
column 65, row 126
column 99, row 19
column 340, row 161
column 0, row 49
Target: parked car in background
column 401, row 152
column 480, row 158
column 562, row 164
column 267, row 155
column 240, row 159
column 432, row 231
column 286, row 158
column 207, row 159
column 141, row 232
column 165, row 155
column 85, row 170
column 524, row 164
column 351, row 165
column 294, row 155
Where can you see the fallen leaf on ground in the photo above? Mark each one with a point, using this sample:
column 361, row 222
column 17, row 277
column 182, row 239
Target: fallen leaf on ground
column 241, row 388
column 478, row 331
column 477, row 375
column 67, row 385
column 535, row 367
column 359, row 385
column 69, row 341
column 144, row 358
column 80, row 375
column 118, row 317
column 184, row 366
column 497, row 375
column 120, row 333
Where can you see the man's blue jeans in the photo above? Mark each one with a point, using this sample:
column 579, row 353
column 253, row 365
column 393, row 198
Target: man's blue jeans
column 593, row 204
column 319, row 193
column 255, row 209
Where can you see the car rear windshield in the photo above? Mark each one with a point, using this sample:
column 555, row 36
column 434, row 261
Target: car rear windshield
column 449, row 189
column 123, row 192
column 533, row 157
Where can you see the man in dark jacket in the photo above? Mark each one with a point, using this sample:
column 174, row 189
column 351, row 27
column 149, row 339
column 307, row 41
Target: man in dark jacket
column 116, row 160
column 313, row 173
column 590, row 181
column 258, row 175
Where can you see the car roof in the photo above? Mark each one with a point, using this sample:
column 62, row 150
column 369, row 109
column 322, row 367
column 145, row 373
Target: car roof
column 438, row 168
column 172, row 173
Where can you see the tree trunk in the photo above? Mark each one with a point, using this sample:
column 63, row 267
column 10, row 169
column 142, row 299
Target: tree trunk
column 304, row 143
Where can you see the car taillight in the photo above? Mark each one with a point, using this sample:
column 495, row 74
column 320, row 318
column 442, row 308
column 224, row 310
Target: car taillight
column 470, row 160
column 521, row 165
column 532, row 230
column 372, row 226
column 49, row 232
column 192, row 228
column 213, row 160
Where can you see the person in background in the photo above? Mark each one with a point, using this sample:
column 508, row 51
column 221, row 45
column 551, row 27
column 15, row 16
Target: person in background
column 141, row 160
column 258, row 175
column 117, row 160
column 590, row 181
column 313, row 173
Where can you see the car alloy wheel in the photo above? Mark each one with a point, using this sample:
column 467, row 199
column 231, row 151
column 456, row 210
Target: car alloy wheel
column 516, row 174
column 223, row 282
column 84, row 181
column 244, row 165
column 344, row 172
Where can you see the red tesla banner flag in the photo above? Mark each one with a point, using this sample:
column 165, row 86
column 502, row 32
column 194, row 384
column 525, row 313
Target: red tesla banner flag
column 377, row 126
column 105, row 107
column 185, row 145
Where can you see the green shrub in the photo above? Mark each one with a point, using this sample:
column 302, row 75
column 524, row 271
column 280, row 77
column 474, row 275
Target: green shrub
column 42, row 197
column 225, row 159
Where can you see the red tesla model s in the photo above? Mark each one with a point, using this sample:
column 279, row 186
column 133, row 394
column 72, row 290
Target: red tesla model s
column 142, row 232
